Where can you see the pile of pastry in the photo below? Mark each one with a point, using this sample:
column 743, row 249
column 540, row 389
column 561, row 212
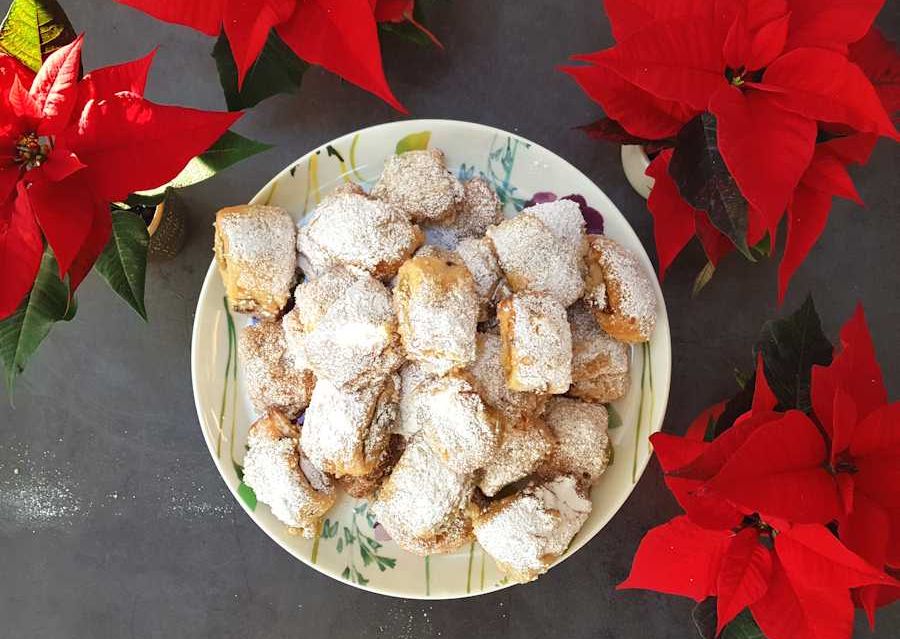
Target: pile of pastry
column 460, row 388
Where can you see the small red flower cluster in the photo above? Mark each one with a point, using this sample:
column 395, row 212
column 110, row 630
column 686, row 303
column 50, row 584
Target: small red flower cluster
column 69, row 146
column 781, row 78
column 339, row 35
column 795, row 516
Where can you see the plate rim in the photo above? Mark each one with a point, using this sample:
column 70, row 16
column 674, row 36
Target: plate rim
column 662, row 323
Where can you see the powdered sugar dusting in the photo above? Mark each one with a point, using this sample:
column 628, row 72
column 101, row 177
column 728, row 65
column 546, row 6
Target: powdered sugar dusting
column 629, row 291
column 523, row 449
column 457, row 425
column 537, row 342
column 437, row 309
column 583, row 447
column 525, row 533
column 419, row 183
column 535, row 260
column 356, row 230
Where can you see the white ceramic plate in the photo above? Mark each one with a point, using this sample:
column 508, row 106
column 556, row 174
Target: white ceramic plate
column 351, row 546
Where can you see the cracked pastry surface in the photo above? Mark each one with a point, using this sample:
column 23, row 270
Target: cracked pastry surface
column 529, row 530
column 419, row 184
column 346, row 432
column 582, row 440
column 536, row 343
column 274, row 377
column 281, row 477
column 620, row 291
column 437, row 312
column 534, row 259
column 355, row 230
column 254, row 248
column 480, row 208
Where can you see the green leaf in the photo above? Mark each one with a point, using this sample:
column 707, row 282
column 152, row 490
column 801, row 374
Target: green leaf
column 22, row 332
column 703, row 278
column 229, row 149
column 790, row 347
column 615, row 420
column 276, row 70
column 763, row 248
column 348, row 536
column 704, row 181
column 366, row 555
column 248, row 495
column 33, row 29
column 346, row 573
column 123, row 263
column 742, row 627
column 413, row 142
column 340, row 545
column 385, row 562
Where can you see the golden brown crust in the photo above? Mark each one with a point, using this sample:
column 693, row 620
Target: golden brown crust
column 437, row 312
column 254, row 248
column 367, row 485
column 536, row 343
column 620, row 291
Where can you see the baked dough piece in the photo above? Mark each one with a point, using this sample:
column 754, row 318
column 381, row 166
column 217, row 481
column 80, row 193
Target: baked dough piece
column 480, row 208
column 346, row 432
column 535, row 259
column 536, row 343
column 366, row 485
column 565, row 221
column 423, row 503
column 356, row 344
column 487, row 375
column 458, row 425
column 296, row 492
column 620, row 291
column 599, row 362
column 523, row 449
column 274, row 378
column 418, row 183
column 355, row 230
column 479, row 258
column 529, row 530
column 437, row 312
column 583, row 448
column 256, row 256
column 414, row 381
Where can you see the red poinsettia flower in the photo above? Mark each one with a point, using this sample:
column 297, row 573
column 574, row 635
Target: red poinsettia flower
column 69, row 147
column 758, row 497
column 773, row 73
column 339, row 35
column 851, row 404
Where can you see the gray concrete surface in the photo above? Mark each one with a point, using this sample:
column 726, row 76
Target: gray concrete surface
column 113, row 519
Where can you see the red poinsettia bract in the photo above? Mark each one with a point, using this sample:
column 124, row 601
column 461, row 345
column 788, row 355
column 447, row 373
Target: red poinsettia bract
column 795, row 516
column 775, row 74
column 339, row 35
column 68, row 147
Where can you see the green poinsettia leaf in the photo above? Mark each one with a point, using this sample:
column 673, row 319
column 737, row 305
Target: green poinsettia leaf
column 33, row 29
column 703, row 278
column 741, row 627
column 229, row 149
column 413, row 142
column 790, row 347
column 704, row 181
column 123, row 263
column 276, row 70
column 22, row 332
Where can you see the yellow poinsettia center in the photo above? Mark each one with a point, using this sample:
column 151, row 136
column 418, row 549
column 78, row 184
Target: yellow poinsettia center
column 31, row 151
